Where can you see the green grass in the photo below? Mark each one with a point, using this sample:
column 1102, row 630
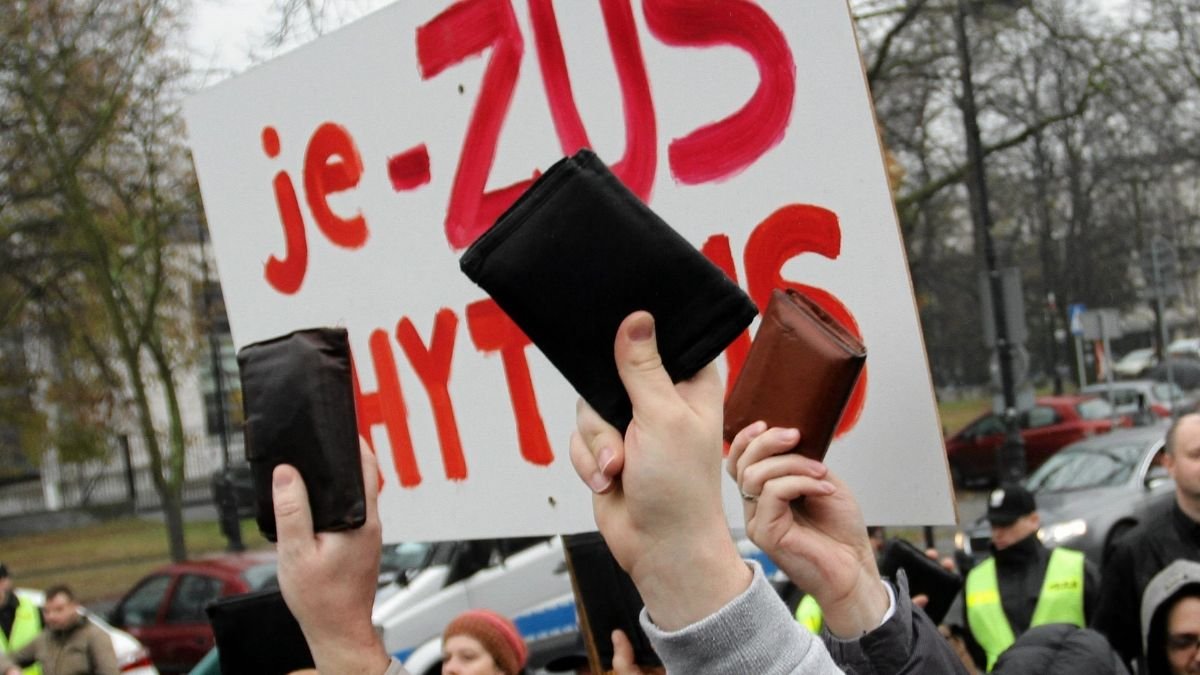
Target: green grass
column 104, row 560
column 956, row 414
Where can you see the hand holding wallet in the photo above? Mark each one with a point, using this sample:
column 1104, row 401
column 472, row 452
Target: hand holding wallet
column 299, row 402
column 579, row 252
column 925, row 576
column 799, row 373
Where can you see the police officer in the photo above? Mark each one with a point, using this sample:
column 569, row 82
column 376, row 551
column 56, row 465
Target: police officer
column 20, row 620
column 1023, row 584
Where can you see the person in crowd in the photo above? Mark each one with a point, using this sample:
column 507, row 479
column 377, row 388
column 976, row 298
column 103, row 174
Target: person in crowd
column 1170, row 616
column 481, row 642
column 20, row 620
column 1060, row 649
column 69, row 645
column 657, row 502
column 1023, row 584
column 1162, row 538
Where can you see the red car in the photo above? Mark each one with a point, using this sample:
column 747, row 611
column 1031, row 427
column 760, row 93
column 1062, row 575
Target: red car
column 1053, row 422
column 165, row 610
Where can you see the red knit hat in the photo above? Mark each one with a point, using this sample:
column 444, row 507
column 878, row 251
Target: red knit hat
column 497, row 634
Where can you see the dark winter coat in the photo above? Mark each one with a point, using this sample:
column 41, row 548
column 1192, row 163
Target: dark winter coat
column 1060, row 649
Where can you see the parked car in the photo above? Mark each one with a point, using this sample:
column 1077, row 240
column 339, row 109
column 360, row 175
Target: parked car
column 240, row 480
column 132, row 657
column 1188, row 348
column 1128, row 396
column 1053, row 422
column 1183, row 372
column 165, row 610
column 1135, row 363
column 1092, row 492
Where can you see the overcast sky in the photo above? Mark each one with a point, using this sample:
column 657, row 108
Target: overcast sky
column 227, row 36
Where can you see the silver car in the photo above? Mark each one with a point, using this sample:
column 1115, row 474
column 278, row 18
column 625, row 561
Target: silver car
column 1092, row 492
column 1129, row 396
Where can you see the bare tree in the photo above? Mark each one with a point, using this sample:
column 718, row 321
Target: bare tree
column 97, row 193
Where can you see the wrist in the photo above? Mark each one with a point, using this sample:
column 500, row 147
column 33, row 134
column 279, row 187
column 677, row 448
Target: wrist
column 859, row 611
column 682, row 582
column 358, row 653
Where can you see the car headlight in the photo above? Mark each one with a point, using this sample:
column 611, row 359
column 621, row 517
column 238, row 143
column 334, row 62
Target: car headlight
column 1059, row 533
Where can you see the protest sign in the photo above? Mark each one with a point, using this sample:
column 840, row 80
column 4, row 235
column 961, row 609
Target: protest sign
column 342, row 181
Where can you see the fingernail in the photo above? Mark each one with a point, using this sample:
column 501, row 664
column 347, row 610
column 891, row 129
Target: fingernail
column 281, row 479
column 757, row 428
column 605, row 458
column 791, row 434
column 642, row 330
column 599, row 482
column 827, row 487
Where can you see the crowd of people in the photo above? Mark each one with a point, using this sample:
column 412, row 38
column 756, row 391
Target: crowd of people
column 657, row 502
column 54, row 639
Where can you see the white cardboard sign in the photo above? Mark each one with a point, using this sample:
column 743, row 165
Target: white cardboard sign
column 342, row 181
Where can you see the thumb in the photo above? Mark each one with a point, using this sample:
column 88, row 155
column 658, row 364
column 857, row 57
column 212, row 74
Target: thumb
column 639, row 363
column 622, row 659
column 293, row 519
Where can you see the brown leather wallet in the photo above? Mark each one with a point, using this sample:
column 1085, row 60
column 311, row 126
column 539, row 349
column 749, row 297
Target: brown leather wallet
column 799, row 373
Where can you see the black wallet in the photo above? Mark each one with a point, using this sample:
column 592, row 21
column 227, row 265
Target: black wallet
column 925, row 576
column 576, row 254
column 606, row 599
column 299, row 403
column 256, row 634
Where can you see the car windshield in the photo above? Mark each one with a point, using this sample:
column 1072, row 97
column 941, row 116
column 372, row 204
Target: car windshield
column 261, row 576
column 1094, row 409
column 1087, row 467
column 1165, row 392
column 409, row 555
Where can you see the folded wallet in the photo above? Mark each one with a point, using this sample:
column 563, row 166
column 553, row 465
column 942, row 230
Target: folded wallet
column 799, row 373
column 256, row 634
column 925, row 576
column 576, row 254
column 606, row 599
column 299, row 403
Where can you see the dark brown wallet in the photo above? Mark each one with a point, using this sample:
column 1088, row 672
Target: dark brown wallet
column 799, row 373
column 605, row 599
column 299, row 401
column 925, row 576
column 257, row 634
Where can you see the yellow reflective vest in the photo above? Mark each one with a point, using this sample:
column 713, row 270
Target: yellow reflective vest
column 808, row 613
column 26, row 626
column 1060, row 601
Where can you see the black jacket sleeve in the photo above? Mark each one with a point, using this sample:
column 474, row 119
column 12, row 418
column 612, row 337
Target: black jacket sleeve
column 906, row 644
column 1118, row 607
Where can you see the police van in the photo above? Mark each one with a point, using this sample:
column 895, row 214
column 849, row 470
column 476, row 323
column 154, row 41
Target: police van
column 425, row 585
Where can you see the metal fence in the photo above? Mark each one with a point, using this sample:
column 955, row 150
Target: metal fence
column 122, row 478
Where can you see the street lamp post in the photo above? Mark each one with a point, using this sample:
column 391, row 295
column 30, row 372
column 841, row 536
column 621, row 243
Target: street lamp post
column 1010, row 456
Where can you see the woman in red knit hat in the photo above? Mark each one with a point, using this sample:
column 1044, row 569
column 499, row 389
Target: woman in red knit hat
column 481, row 642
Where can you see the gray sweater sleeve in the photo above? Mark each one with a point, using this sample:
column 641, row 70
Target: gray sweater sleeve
column 754, row 633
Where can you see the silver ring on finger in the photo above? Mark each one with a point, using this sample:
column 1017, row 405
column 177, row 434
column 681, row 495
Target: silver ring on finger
column 748, row 498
